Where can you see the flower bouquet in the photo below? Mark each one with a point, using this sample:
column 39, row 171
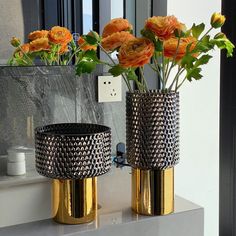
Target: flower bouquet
column 165, row 42
column 56, row 46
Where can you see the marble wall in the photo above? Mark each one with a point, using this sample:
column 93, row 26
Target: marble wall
column 35, row 96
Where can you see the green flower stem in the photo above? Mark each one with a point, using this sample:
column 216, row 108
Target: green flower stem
column 27, row 57
column 181, row 84
column 157, row 69
column 143, row 80
column 73, row 54
column 173, row 60
column 208, row 31
column 44, row 60
column 167, row 67
column 163, row 70
column 109, row 56
column 176, row 78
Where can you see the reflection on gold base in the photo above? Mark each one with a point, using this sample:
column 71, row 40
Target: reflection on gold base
column 74, row 201
column 153, row 191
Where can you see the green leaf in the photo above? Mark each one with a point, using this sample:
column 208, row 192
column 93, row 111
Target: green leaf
column 197, row 30
column 194, row 73
column 179, row 33
column 90, row 39
column 85, row 67
column 95, row 35
column 158, row 45
column 117, row 70
column 148, row 34
column 73, row 45
column 131, row 75
column 224, row 43
column 91, row 55
column 202, row 60
column 187, row 61
column 188, row 33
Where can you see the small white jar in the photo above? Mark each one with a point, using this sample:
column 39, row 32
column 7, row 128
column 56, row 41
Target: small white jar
column 16, row 161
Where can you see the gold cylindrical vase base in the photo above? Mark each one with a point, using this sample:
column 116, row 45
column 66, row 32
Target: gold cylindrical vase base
column 74, row 201
column 153, row 191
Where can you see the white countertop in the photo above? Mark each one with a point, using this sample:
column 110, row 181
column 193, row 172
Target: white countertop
column 122, row 221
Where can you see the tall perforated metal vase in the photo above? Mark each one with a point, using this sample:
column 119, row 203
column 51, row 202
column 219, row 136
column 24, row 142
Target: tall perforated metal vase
column 152, row 133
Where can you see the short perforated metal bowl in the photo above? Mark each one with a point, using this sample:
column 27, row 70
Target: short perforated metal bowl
column 72, row 150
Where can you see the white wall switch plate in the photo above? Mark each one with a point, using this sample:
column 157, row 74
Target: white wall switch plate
column 109, row 89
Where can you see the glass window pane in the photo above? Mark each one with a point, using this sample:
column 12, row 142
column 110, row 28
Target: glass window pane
column 87, row 16
column 117, row 8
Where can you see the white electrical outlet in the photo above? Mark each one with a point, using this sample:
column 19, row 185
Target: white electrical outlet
column 109, row 89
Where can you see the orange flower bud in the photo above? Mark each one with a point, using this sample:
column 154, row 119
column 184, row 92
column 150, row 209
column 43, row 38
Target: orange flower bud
column 136, row 52
column 217, row 20
column 115, row 40
column 15, row 42
column 116, row 25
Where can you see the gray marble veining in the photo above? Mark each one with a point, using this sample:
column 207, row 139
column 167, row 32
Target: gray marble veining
column 35, row 96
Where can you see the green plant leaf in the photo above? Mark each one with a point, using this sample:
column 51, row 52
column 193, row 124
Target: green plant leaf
column 117, row 70
column 131, row 75
column 95, row 35
column 73, row 45
column 204, row 45
column 179, row 33
column 197, row 30
column 158, row 45
column 91, row 55
column 148, row 34
column 85, row 67
column 187, row 61
column 194, row 73
column 202, row 60
column 224, row 43
column 90, row 39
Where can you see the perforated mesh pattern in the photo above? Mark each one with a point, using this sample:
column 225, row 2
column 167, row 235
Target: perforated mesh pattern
column 152, row 129
column 73, row 151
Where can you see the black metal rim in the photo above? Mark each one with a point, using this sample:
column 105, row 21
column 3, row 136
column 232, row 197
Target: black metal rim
column 151, row 92
column 54, row 128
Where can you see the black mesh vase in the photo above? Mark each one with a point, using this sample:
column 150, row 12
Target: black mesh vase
column 73, row 155
column 152, row 133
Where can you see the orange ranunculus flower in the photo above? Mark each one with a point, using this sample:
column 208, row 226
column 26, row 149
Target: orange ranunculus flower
column 40, row 44
column 116, row 25
column 38, row 34
column 59, row 35
column 136, row 52
column 85, row 46
column 163, row 26
column 114, row 41
column 170, row 47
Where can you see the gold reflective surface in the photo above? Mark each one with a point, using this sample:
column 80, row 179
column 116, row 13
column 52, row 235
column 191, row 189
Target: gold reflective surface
column 153, row 191
column 74, row 201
